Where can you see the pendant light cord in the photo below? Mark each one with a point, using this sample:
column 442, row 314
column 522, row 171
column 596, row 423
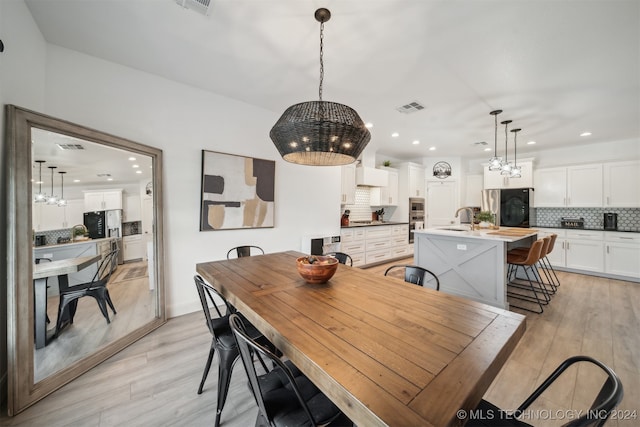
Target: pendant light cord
column 506, row 141
column 321, row 59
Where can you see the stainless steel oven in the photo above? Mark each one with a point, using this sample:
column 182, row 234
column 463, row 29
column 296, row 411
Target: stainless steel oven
column 416, row 215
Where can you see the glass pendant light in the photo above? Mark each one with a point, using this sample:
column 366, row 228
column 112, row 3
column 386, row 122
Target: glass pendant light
column 506, row 166
column 495, row 163
column 40, row 197
column 516, row 171
column 62, row 202
column 52, row 200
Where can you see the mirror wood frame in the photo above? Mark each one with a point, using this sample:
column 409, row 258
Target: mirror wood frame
column 22, row 391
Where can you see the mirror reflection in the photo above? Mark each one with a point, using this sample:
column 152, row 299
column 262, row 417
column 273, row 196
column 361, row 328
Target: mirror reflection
column 92, row 220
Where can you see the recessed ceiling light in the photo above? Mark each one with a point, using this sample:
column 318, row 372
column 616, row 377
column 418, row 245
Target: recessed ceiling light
column 416, row 142
column 368, row 125
column 487, row 149
column 76, row 180
column 132, row 159
column 138, row 171
column 432, row 148
column 585, row 134
column 531, row 142
column 135, row 166
column 109, row 179
column 395, row 135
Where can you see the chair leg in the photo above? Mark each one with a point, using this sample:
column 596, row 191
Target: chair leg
column 227, row 359
column 529, row 298
column 207, row 366
column 108, row 298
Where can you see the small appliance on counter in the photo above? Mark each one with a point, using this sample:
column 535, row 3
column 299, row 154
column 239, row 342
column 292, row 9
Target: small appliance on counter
column 41, row 240
column 567, row 222
column 610, row 221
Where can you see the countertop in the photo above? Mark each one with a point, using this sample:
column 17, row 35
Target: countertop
column 80, row 242
column 589, row 229
column 509, row 234
column 373, row 224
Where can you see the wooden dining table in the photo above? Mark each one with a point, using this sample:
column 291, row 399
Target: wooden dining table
column 61, row 268
column 384, row 351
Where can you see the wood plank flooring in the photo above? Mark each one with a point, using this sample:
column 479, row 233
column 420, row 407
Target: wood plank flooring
column 154, row 381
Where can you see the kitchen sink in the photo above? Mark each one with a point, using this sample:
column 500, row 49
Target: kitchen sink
column 454, row 229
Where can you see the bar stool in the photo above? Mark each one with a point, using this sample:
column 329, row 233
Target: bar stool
column 544, row 263
column 527, row 263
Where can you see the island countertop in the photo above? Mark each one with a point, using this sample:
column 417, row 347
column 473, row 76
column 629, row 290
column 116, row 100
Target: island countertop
column 503, row 234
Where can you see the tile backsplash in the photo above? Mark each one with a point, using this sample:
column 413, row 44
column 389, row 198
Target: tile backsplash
column 628, row 218
column 360, row 210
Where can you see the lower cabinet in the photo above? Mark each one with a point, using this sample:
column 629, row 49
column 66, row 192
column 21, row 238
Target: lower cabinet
column 370, row 245
column 622, row 254
column 133, row 248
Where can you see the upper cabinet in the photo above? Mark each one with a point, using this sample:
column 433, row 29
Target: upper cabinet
column 131, row 209
column 573, row 186
column 621, row 189
column 387, row 195
column 411, row 180
column 102, row 200
column 493, row 179
column 54, row 217
column 348, row 192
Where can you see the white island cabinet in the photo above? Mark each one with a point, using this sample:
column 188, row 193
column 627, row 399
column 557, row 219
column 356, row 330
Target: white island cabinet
column 470, row 264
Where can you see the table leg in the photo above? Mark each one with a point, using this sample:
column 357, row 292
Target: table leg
column 40, row 311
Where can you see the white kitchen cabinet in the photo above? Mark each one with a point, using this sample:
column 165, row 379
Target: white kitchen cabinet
column 386, row 196
column 368, row 245
column 102, row 200
column 473, row 190
column 584, row 250
column 131, row 209
column 620, row 180
column 622, row 254
column 53, row 217
column 494, row 179
column 416, row 180
column 573, row 186
column 133, row 248
column 348, row 192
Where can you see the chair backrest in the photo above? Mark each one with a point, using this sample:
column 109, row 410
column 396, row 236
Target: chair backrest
column 248, row 348
column 608, row 398
column 342, row 257
column 534, row 252
column 107, row 266
column 206, row 293
column 546, row 242
column 242, row 251
column 552, row 243
column 417, row 275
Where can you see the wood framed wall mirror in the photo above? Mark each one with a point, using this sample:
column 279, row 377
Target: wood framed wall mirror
column 39, row 364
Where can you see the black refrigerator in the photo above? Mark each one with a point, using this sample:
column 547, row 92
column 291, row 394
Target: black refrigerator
column 96, row 224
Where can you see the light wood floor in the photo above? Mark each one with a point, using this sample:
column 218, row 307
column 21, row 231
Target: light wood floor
column 135, row 306
column 154, row 381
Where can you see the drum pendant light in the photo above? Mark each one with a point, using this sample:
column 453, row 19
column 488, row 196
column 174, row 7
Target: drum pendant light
column 52, row 200
column 506, row 166
column 62, row 202
column 516, row 171
column 495, row 163
column 320, row 133
column 40, row 197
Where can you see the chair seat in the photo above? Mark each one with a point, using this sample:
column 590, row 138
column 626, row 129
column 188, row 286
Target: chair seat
column 282, row 403
column 518, row 259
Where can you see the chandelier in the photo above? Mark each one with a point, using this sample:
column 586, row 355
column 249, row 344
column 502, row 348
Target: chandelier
column 61, row 201
column 40, row 197
column 516, row 171
column 52, row 199
column 495, row 163
column 505, row 169
column 498, row 163
column 320, row 133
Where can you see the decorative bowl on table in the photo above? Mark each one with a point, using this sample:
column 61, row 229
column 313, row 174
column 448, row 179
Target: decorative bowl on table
column 316, row 269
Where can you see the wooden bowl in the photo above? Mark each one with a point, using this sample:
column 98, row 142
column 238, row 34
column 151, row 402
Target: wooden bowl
column 322, row 269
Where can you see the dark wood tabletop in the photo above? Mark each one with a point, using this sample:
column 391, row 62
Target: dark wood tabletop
column 385, row 351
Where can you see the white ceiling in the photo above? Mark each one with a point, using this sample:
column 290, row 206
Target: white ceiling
column 556, row 68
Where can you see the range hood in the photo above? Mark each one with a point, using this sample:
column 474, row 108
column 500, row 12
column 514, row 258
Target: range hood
column 371, row 177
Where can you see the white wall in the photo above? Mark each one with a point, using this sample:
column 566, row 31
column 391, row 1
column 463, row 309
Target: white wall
column 182, row 121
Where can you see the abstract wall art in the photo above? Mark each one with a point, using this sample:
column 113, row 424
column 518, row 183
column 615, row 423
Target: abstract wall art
column 237, row 192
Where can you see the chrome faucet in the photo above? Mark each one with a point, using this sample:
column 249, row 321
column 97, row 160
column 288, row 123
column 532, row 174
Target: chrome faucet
column 470, row 210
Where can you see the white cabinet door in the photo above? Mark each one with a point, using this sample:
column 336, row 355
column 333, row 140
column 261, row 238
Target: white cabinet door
column 622, row 259
column 416, row 181
column 492, row 179
column 103, row 200
column 550, row 187
column 441, row 203
column 112, row 200
column 584, row 186
column 348, row 196
column 93, row 202
column 526, row 177
column 585, row 255
column 132, row 210
column 52, row 217
column 74, row 213
column 473, row 190
column 133, row 248
column 389, row 194
column 621, row 189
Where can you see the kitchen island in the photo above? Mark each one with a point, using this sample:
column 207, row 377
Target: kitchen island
column 470, row 264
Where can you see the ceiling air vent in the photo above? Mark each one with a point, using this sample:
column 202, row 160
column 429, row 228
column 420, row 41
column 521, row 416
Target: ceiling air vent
column 200, row 6
column 104, row 175
column 480, row 143
column 411, row 107
column 70, row 146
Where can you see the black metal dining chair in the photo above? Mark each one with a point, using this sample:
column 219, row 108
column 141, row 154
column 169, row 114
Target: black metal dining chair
column 417, row 275
column 242, row 251
column 96, row 288
column 609, row 396
column 342, row 257
column 285, row 396
column 222, row 340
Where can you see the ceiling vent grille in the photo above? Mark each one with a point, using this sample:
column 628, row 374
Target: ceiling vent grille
column 104, row 175
column 201, row 6
column 480, row 143
column 411, row 107
column 70, row 146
